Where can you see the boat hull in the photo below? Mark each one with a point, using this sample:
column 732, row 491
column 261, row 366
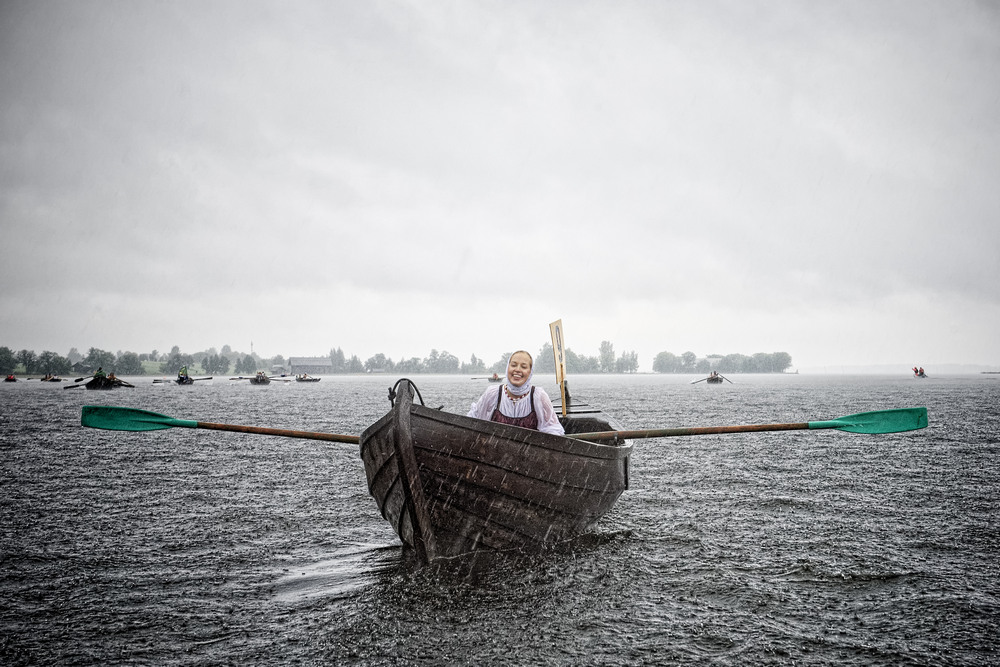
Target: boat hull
column 450, row 485
column 104, row 383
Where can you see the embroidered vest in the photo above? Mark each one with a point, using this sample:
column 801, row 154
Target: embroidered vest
column 530, row 420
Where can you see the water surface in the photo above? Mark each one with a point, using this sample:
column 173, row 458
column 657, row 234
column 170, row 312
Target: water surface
column 186, row 547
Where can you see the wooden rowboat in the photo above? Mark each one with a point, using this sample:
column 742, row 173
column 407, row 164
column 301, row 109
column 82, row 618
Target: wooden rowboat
column 183, row 380
column 451, row 485
column 714, row 378
column 106, row 383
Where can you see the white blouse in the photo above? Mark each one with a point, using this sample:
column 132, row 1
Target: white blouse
column 548, row 421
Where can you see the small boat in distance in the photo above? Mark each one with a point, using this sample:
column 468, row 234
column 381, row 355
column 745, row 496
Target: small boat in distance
column 100, row 380
column 919, row 372
column 451, row 485
column 260, row 378
column 714, row 378
column 182, row 378
column 103, row 382
column 183, row 381
column 305, row 377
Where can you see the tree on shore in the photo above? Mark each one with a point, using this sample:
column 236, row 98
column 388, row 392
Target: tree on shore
column 246, row 365
column 8, row 361
column 474, row 366
column 338, row 361
column 410, row 366
column 28, row 359
column 379, row 364
column 215, row 363
column 666, row 362
column 628, row 362
column 175, row 361
column 607, row 357
column 52, row 364
column 98, row 358
column 761, row 362
column 128, row 363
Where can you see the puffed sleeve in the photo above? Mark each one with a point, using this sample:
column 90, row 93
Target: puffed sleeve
column 548, row 420
column 483, row 408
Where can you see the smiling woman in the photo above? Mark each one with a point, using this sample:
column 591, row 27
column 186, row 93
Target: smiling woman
column 505, row 403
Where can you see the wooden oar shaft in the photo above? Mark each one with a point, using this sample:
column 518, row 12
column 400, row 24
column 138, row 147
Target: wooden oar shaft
column 697, row 430
column 261, row 430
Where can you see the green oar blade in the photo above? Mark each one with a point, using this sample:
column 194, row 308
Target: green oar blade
column 880, row 421
column 129, row 419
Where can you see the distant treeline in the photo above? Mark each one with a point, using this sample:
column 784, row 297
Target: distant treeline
column 214, row 361
column 448, row 364
column 131, row 363
column 762, row 362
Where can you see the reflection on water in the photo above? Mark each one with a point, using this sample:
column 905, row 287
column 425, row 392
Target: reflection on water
column 196, row 547
column 344, row 573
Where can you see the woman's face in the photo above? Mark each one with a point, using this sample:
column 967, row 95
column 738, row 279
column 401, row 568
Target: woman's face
column 519, row 369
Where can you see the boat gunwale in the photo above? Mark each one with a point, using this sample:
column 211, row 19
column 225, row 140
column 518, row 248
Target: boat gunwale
column 564, row 444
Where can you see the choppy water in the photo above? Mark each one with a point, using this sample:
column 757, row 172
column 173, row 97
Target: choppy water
column 188, row 547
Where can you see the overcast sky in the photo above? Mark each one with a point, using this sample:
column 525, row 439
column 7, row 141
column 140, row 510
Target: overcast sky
column 818, row 178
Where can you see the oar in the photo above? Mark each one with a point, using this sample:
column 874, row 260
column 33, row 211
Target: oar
column 158, row 381
column 132, row 419
column 697, row 381
column 880, row 421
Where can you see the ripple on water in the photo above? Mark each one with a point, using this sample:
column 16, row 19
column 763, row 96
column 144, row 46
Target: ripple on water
column 190, row 547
